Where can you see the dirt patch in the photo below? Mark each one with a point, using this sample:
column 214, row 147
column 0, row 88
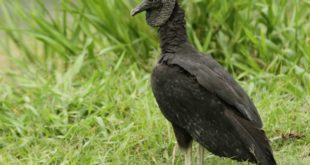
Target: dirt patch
column 292, row 136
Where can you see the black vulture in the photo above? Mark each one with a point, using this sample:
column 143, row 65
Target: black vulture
column 200, row 99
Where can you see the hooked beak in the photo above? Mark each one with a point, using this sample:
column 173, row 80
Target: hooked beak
column 145, row 5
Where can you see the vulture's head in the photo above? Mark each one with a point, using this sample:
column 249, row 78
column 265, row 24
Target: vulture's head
column 157, row 11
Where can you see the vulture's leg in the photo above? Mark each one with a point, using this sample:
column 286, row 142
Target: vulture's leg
column 188, row 155
column 174, row 154
column 184, row 141
column 200, row 155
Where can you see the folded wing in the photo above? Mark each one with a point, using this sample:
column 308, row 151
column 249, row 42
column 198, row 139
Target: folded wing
column 215, row 79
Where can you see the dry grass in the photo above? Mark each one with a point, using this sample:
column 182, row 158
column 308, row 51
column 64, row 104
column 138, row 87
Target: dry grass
column 3, row 61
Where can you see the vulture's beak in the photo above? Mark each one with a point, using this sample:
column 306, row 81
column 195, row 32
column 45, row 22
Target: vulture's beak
column 145, row 5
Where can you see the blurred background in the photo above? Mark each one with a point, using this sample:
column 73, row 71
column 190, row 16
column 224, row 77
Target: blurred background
column 74, row 77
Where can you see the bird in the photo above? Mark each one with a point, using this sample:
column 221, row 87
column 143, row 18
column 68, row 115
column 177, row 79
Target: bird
column 199, row 97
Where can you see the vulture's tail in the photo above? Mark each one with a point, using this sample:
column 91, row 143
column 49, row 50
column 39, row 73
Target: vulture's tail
column 255, row 139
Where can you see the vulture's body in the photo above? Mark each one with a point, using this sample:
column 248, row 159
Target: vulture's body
column 203, row 102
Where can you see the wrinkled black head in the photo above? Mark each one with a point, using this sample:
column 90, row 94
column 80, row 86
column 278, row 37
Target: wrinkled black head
column 157, row 11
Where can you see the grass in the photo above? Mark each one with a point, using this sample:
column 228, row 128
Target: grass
column 77, row 90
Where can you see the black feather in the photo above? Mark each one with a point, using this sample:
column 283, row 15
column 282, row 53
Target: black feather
column 203, row 102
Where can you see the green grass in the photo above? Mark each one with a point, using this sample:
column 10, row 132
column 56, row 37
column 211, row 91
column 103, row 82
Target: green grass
column 77, row 90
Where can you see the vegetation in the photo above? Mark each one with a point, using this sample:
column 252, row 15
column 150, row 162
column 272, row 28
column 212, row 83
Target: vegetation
column 76, row 90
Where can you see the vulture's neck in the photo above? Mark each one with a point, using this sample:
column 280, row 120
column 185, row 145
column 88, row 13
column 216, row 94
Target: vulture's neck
column 173, row 32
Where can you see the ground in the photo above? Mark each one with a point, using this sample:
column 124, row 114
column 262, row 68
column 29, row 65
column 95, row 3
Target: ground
column 79, row 91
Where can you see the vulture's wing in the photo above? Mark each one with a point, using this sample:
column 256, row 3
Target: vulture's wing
column 215, row 79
